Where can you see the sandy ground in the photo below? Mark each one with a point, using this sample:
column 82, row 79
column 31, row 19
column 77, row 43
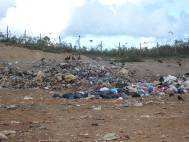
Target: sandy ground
column 44, row 119
column 153, row 68
column 12, row 53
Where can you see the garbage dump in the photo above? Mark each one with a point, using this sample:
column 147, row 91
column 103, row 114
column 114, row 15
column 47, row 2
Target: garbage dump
column 87, row 80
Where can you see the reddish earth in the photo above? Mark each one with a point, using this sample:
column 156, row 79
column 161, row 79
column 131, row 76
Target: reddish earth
column 44, row 119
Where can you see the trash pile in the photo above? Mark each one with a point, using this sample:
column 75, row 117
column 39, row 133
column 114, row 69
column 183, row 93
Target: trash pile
column 49, row 74
column 86, row 80
column 169, row 85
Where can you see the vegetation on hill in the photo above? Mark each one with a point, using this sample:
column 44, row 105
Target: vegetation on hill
column 178, row 49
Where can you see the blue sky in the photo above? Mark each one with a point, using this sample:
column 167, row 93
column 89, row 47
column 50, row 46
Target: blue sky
column 127, row 21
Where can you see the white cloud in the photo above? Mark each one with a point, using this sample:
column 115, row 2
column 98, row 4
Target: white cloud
column 41, row 16
column 4, row 5
column 137, row 18
column 120, row 2
column 113, row 2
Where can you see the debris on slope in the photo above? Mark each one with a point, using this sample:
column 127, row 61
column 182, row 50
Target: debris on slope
column 87, row 80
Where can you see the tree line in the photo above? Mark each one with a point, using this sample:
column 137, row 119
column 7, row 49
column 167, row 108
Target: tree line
column 178, row 49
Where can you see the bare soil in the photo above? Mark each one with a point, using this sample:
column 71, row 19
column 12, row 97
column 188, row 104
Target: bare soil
column 55, row 120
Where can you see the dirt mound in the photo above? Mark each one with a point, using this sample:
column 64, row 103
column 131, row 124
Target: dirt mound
column 13, row 53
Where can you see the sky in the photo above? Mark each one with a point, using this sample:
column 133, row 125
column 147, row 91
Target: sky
column 112, row 21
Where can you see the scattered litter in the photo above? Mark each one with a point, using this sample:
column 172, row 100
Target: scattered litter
column 8, row 132
column 28, row 98
column 97, row 108
column 87, row 80
column 70, row 78
column 138, row 104
column 40, row 76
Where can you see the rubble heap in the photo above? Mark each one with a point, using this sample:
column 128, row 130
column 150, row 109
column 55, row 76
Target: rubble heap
column 86, row 80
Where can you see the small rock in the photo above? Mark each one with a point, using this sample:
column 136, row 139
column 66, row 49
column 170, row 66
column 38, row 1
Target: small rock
column 2, row 66
column 15, row 122
column 3, row 137
column 40, row 76
column 46, row 88
column 28, row 98
column 70, row 78
column 120, row 98
column 124, row 137
column 90, row 97
column 43, row 127
column 180, row 98
column 145, row 116
column 97, row 108
column 12, row 107
column 8, row 132
column 186, row 84
column 125, row 105
column 186, row 137
column 55, row 94
column 95, row 124
column 124, row 72
column 84, row 135
column 104, row 89
column 110, row 137
column 59, row 77
column 138, row 104
column 163, row 137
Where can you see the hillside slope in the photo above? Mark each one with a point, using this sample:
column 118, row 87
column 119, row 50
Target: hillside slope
column 12, row 53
